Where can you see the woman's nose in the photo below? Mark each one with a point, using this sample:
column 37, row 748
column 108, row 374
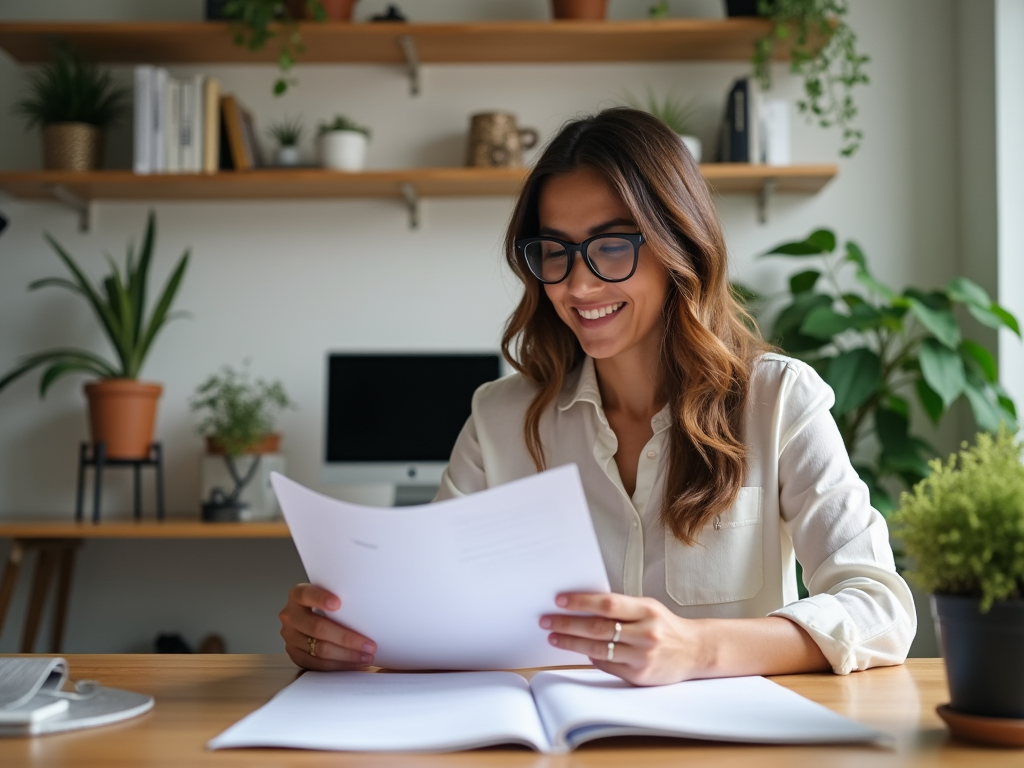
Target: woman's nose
column 581, row 281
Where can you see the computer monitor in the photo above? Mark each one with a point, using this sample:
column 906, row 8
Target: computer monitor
column 395, row 418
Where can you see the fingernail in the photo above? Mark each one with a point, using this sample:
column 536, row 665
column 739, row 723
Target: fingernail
column 562, row 601
column 553, row 640
column 368, row 647
column 365, row 659
column 545, row 623
column 333, row 604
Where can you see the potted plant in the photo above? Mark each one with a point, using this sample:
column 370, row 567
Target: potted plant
column 73, row 102
column 963, row 530
column 287, row 133
column 343, row 144
column 237, row 420
column 823, row 50
column 122, row 409
column 674, row 112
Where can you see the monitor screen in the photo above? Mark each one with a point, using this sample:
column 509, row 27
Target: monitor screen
column 401, row 408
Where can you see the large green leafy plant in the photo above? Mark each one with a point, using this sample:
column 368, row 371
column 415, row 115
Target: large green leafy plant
column 963, row 527
column 823, row 50
column 879, row 349
column 119, row 303
column 70, row 90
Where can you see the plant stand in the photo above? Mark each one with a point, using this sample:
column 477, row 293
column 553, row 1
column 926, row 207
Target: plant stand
column 98, row 459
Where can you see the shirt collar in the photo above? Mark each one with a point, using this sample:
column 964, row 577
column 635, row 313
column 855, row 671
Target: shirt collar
column 586, row 390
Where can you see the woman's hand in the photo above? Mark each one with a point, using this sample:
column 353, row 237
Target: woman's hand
column 335, row 647
column 654, row 646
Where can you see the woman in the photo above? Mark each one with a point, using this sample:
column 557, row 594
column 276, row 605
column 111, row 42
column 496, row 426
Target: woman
column 708, row 461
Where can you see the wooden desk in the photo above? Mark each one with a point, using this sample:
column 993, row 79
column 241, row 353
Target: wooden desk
column 56, row 543
column 199, row 696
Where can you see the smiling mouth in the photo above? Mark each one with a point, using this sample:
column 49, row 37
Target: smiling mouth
column 596, row 314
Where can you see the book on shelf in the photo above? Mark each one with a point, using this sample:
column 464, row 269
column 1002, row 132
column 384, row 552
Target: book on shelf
column 754, row 129
column 177, row 122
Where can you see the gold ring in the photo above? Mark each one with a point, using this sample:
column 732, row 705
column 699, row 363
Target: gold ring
column 611, row 652
column 618, row 632
column 312, row 646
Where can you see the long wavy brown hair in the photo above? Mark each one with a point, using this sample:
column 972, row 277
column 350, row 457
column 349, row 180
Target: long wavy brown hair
column 708, row 346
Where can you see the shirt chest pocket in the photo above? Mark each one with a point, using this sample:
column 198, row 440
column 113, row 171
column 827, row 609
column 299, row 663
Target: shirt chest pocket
column 725, row 564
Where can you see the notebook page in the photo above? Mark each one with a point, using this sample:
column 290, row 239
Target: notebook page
column 367, row 712
column 581, row 705
column 460, row 584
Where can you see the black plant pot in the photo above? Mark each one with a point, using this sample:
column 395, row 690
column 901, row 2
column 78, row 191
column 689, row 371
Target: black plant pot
column 741, row 8
column 984, row 654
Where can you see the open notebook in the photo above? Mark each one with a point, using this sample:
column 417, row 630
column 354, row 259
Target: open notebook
column 553, row 713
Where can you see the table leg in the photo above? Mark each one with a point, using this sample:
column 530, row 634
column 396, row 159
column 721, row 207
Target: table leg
column 14, row 558
column 65, row 570
column 40, row 586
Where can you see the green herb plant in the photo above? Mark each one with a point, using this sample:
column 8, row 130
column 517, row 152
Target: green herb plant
column 70, row 90
column 238, row 412
column 288, row 132
column 119, row 303
column 675, row 112
column 659, row 10
column 879, row 349
column 963, row 527
column 258, row 21
column 341, row 123
column 823, row 50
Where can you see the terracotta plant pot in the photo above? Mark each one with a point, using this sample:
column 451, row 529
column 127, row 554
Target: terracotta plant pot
column 122, row 413
column 71, row 147
column 336, row 10
column 590, row 10
column 269, row 444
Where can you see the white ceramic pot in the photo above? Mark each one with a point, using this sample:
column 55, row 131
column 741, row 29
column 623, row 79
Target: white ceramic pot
column 693, row 144
column 343, row 150
column 287, row 156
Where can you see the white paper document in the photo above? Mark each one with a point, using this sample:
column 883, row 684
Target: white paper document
column 553, row 713
column 460, row 584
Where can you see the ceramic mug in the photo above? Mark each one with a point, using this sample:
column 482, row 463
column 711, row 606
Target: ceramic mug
column 496, row 142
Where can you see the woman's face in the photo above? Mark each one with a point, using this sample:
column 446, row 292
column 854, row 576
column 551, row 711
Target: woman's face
column 578, row 205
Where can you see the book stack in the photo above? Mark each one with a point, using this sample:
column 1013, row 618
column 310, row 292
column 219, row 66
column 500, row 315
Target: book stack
column 754, row 129
column 185, row 125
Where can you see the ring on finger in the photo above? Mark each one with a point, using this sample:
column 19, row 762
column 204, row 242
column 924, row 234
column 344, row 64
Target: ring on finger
column 311, row 641
column 618, row 632
column 611, row 652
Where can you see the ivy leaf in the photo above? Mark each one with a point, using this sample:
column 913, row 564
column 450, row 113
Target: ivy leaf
column 943, row 369
column 1008, row 319
column 930, row 401
column 824, row 323
column 854, row 377
column 967, row 292
column 818, row 242
column 803, row 281
column 940, row 323
column 975, row 355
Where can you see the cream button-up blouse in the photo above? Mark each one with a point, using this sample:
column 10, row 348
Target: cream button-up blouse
column 801, row 497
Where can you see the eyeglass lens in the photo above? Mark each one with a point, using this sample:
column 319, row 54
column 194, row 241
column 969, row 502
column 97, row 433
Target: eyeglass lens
column 612, row 258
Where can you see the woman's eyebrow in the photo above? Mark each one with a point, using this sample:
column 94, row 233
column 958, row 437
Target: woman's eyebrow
column 603, row 227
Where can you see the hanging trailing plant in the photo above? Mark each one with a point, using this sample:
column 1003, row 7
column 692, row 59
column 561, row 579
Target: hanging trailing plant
column 823, row 50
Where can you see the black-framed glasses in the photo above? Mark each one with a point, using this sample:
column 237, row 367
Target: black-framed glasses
column 612, row 257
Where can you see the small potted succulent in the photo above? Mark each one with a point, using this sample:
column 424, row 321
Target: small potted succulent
column 122, row 409
column 673, row 111
column 287, row 134
column 72, row 101
column 963, row 531
column 343, row 144
column 238, row 416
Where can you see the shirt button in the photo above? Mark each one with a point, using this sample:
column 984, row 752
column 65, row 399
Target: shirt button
column 635, row 523
column 652, row 454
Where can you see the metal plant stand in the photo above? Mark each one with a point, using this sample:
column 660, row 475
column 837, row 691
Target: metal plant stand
column 98, row 459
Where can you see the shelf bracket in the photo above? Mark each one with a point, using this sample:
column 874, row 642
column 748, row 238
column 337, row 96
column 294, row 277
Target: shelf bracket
column 767, row 190
column 412, row 62
column 82, row 207
column 412, row 203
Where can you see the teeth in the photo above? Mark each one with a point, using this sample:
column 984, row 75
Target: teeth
column 594, row 314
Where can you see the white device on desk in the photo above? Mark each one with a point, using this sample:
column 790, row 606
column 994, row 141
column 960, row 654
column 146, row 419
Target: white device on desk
column 394, row 418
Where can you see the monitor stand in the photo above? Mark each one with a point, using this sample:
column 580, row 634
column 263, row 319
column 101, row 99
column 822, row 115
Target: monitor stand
column 411, row 495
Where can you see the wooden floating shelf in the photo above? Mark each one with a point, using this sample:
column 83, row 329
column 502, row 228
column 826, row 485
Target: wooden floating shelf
column 283, row 184
column 145, row 529
column 437, row 43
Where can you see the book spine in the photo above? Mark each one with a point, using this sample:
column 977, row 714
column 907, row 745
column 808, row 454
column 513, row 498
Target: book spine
column 142, row 162
column 158, row 141
column 776, row 132
column 198, row 99
column 186, row 140
column 172, row 117
column 739, row 139
column 755, row 123
column 211, row 125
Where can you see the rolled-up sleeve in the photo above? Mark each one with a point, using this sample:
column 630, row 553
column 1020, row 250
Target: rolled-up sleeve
column 860, row 611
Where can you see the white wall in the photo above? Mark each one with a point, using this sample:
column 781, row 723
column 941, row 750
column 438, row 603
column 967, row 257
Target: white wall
column 284, row 282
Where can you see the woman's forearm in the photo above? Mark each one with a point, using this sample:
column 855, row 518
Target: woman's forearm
column 768, row 646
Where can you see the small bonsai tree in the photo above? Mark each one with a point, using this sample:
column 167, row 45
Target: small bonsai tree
column 963, row 526
column 237, row 414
